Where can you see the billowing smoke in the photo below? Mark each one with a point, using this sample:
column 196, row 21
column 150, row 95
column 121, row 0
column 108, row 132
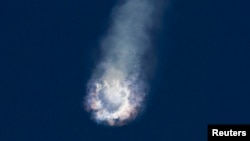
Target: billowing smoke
column 118, row 87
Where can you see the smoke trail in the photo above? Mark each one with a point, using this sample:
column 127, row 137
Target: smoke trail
column 117, row 88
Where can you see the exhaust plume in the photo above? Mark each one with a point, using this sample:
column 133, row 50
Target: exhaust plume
column 117, row 88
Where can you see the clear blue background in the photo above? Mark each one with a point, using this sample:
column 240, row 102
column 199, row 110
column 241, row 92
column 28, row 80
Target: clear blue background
column 48, row 49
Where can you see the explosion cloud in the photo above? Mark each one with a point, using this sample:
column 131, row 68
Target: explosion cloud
column 117, row 88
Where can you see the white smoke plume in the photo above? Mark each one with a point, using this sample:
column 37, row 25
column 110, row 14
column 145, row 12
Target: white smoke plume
column 117, row 88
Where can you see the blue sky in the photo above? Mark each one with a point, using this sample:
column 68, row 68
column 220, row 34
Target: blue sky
column 48, row 50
